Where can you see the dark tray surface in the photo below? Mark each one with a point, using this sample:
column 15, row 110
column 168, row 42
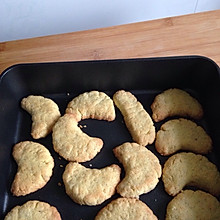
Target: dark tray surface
column 22, row 80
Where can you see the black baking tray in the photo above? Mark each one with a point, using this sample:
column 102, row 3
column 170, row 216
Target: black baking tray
column 145, row 78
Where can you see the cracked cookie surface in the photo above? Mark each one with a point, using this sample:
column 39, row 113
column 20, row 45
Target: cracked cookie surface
column 137, row 120
column 182, row 134
column 70, row 142
column 35, row 167
column 88, row 186
column 189, row 169
column 44, row 112
column 34, row 210
column 142, row 170
column 126, row 208
column 93, row 104
column 175, row 102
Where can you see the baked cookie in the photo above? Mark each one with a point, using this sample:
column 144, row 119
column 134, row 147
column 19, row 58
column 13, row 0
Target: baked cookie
column 90, row 186
column 137, row 120
column 94, row 104
column 175, row 102
column 44, row 112
column 33, row 210
column 193, row 205
column 189, row 169
column 182, row 134
column 70, row 142
column 126, row 208
column 142, row 170
column 35, row 167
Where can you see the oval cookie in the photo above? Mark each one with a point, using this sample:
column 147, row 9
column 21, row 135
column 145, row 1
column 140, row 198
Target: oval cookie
column 175, row 102
column 70, row 142
column 90, row 186
column 137, row 120
column 193, row 205
column 34, row 210
column 35, row 167
column 94, row 104
column 126, row 208
column 189, row 169
column 182, row 134
column 142, row 169
column 44, row 112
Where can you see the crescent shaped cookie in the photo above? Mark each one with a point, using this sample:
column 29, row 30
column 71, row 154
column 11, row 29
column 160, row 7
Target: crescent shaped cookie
column 44, row 112
column 94, row 104
column 70, row 142
column 142, row 170
column 35, row 167
column 193, row 205
column 90, row 186
column 175, row 102
column 189, row 169
column 182, row 134
column 126, row 208
column 33, row 210
column 137, row 120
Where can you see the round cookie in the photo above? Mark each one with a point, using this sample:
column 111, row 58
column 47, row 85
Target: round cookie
column 70, row 142
column 193, row 205
column 189, row 169
column 175, row 102
column 182, row 134
column 137, row 120
column 142, row 170
column 33, row 210
column 90, row 186
column 35, row 167
column 126, row 208
column 94, row 104
column 44, row 112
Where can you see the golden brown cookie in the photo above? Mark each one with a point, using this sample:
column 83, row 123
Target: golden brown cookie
column 142, row 170
column 44, row 112
column 193, row 205
column 94, row 104
column 70, row 142
column 126, row 208
column 182, row 134
column 90, row 186
column 175, row 102
column 35, row 167
column 189, row 169
column 137, row 120
column 33, row 210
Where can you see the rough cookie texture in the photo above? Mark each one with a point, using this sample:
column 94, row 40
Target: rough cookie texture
column 126, row 208
column 70, row 142
column 142, row 169
column 137, row 120
column 33, row 210
column 189, row 169
column 175, row 102
column 182, row 134
column 44, row 112
column 90, row 186
column 94, row 104
column 193, row 205
column 35, row 167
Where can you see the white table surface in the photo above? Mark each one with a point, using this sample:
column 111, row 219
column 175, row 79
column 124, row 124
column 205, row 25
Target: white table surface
column 21, row 19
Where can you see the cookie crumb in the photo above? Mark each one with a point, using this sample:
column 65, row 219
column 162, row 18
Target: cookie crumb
column 59, row 184
column 59, row 158
column 61, row 165
column 67, row 94
column 84, row 126
column 80, row 126
column 90, row 165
